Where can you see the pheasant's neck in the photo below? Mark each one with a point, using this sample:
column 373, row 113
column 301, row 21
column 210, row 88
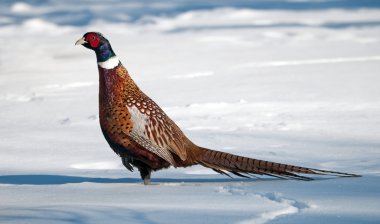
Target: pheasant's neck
column 111, row 63
column 106, row 57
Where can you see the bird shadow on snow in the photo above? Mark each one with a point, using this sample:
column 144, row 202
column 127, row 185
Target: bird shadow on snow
column 46, row 179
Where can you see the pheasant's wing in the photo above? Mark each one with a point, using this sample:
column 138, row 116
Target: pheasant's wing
column 156, row 132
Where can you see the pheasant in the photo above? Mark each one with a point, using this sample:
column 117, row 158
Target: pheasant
column 139, row 131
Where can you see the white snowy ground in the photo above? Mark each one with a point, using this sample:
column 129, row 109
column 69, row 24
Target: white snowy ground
column 299, row 87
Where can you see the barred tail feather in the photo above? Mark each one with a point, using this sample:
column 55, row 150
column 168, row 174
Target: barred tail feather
column 223, row 163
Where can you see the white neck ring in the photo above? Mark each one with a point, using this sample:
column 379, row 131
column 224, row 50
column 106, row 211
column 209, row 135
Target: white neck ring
column 111, row 63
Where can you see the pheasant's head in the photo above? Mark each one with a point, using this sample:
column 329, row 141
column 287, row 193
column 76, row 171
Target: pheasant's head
column 97, row 42
column 92, row 40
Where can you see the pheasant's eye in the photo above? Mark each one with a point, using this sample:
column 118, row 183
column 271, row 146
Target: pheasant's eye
column 93, row 37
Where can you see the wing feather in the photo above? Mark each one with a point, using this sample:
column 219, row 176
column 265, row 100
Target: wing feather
column 157, row 133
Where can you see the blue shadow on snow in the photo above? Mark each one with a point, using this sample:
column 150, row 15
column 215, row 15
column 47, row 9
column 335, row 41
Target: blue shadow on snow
column 45, row 179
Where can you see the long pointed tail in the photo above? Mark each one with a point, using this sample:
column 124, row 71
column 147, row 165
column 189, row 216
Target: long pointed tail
column 222, row 162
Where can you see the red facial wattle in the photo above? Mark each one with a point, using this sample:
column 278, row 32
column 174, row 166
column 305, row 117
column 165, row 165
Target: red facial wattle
column 93, row 39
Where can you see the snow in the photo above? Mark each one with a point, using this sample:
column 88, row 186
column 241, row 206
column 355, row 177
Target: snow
column 21, row 7
column 294, row 82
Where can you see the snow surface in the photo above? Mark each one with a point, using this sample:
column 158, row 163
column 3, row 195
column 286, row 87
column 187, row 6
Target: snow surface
column 288, row 81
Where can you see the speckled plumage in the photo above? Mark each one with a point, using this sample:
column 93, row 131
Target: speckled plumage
column 139, row 131
column 134, row 121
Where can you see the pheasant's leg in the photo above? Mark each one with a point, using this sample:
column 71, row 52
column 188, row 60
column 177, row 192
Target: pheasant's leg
column 147, row 179
column 145, row 174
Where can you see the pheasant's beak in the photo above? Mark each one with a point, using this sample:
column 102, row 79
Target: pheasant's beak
column 80, row 41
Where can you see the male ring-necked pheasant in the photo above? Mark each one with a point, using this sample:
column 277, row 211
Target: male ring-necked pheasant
column 139, row 131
